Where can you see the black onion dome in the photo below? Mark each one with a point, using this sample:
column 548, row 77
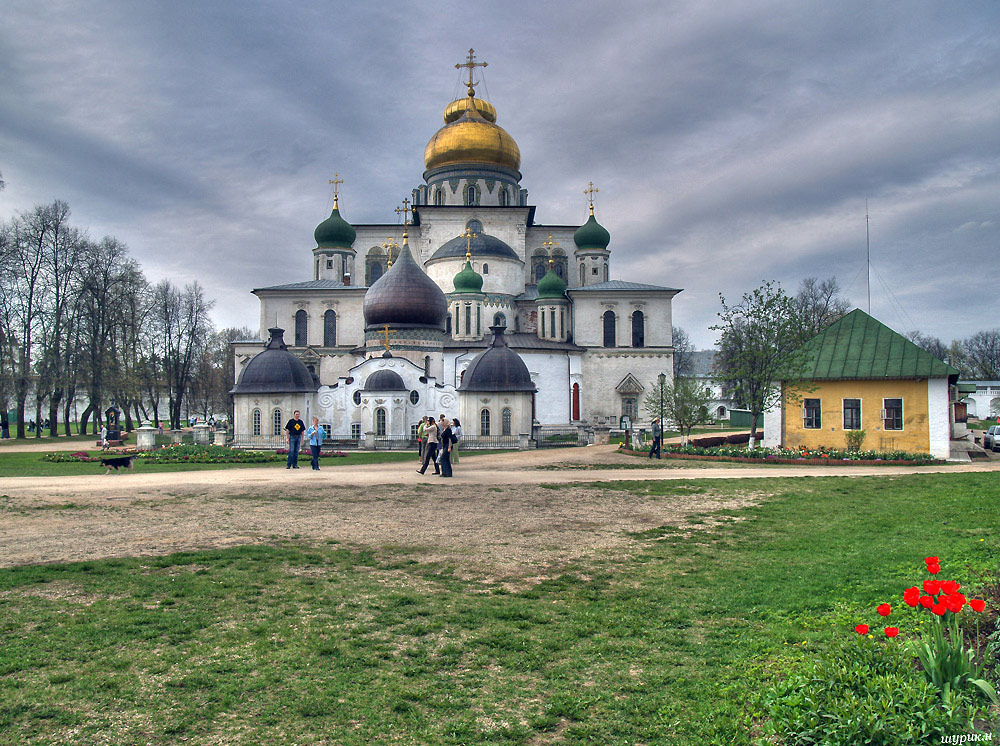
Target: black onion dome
column 405, row 297
column 275, row 371
column 480, row 246
column 385, row 380
column 499, row 368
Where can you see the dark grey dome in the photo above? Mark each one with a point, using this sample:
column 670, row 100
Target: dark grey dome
column 385, row 380
column 482, row 245
column 405, row 297
column 275, row 371
column 499, row 368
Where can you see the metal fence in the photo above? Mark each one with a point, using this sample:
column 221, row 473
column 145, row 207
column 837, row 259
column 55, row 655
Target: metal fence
column 258, row 442
column 489, row 442
column 394, row 443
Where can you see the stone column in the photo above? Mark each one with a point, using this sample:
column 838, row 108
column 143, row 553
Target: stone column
column 176, row 435
column 522, row 442
column 369, row 441
column 145, row 439
column 201, row 434
column 219, row 437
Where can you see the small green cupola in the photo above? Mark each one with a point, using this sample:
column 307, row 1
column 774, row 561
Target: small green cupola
column 592, row 235
column 468, row 280
column 335, row 232
column 552, row 285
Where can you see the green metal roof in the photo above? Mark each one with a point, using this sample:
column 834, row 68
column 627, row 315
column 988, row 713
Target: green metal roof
column 966, row 388
column 860, row 347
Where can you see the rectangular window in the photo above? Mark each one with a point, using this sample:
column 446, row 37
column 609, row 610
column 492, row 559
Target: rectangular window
column 413, row 432
column 811, row 414
column 852, row 414
column 892, row 414
column 356, row 431
column 595, row 270
column 329, row 263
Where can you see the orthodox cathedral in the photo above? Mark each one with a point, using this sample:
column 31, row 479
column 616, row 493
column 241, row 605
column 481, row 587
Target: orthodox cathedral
column 513, row 326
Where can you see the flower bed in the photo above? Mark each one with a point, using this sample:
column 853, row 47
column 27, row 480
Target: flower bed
column 64, row 458
column 185, row 454
column 791, row 456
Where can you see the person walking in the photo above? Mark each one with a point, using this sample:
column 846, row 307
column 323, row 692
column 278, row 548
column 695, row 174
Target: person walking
column 430, row 447
column 294, row 429
column 421, row 438
column 657, row 437
column 316, row 435
column 104, row 437
column 456, row 430
column 447, row 438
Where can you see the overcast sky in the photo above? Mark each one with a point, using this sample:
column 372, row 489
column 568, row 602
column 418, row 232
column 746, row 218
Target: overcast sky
column 731, row 142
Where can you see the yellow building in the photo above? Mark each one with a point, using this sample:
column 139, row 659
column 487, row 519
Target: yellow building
column 861, row 375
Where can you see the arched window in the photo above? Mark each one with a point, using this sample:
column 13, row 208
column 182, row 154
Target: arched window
column 484, row 422
column 471, row 195
column 438, row 197
column 609, row 328
column 447, row 325
column 499, row 320
column 638, row 329
column 576, row 401
column 552, row 321
column 558, row 268
column 605, row 272
column 517, row 323
column 276, row 422
column 468, row 318
column 583, row 275
column 502, row 195
column 301, row 328
column 374, row 272
column 505, row 422
column 475, row 226
column 486, row 268
column 380, row 422
column 330, row 328
column 541, row 318
column 256, row 422
column 539, row 271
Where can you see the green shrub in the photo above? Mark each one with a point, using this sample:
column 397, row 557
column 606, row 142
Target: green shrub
column 864, row 691
column 854, row 439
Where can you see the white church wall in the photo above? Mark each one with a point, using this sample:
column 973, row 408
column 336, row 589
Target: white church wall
column 588, row 317
column 939, row 417
column 281, row 306
column 505, row 276
column 602, row 371
column 550, row 374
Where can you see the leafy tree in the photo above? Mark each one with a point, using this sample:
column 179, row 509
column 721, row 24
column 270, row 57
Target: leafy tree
column 759, row 345
column 683, row 363
column 685, row 404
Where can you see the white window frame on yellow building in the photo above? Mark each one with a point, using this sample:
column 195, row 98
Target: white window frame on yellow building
column 819, row 416
column 843, row 413
column 885, row 419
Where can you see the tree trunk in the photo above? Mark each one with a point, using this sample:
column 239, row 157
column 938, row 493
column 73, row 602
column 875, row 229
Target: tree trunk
column 38, row 418
column 128, row 418
column 67, row 414
column 20, row 414
column 54, row 400
column 85, row 418
column 752, row 443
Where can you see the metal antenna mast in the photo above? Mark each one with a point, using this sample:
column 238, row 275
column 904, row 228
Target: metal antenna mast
column 868, row 258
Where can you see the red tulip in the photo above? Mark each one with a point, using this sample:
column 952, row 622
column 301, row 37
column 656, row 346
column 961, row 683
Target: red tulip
column 932, row 586
column 911, row 601
column 891, row 631
column 926, row 601
column 977, row 604
column 884, row 610
column 933, row 569
column 955, row 604
column 950, row 586
column 939, row 609
column 931, row 560
column 861, row 629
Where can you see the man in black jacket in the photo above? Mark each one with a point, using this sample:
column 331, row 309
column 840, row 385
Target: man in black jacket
column 294, row 429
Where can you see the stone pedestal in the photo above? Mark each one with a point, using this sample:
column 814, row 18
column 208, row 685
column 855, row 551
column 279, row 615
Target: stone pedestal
column 219, row 437
column 602, row 435
column 523, row 442
column 368, row 442
column 201, row 434
column 145, row 439
column 176, row 436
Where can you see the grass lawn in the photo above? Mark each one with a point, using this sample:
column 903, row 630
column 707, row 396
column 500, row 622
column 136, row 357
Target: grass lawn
column 45, row 439
column 671, row 641
column 32, row 465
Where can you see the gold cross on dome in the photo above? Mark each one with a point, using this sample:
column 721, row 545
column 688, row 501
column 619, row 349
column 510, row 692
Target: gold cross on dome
column 590, row 191
column 468, row 236
column 336, row 180
column 471, row 64
column 405, row 211
column 385, row 332
column 389, row 244
column 550, row 244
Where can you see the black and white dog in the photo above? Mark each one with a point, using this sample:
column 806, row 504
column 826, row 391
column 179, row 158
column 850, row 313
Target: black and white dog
column 121, row 462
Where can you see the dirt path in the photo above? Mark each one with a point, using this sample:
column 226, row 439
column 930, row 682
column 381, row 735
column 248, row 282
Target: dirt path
column 494, row 519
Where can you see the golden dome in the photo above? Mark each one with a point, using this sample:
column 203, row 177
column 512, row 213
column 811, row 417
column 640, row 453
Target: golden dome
column 457, row 107
column 471, row 137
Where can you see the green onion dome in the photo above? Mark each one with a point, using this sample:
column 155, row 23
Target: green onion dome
column 592, row 235
column 468, row 280
column 551, row 286
column 334, row 232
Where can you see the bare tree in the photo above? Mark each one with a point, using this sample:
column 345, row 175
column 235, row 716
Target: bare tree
column 683, row 363
column 982, row 355
column 818, row 304
column 930, row 345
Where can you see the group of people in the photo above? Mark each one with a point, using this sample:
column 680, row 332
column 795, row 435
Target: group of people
column 295, row 430
column 438, row 443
